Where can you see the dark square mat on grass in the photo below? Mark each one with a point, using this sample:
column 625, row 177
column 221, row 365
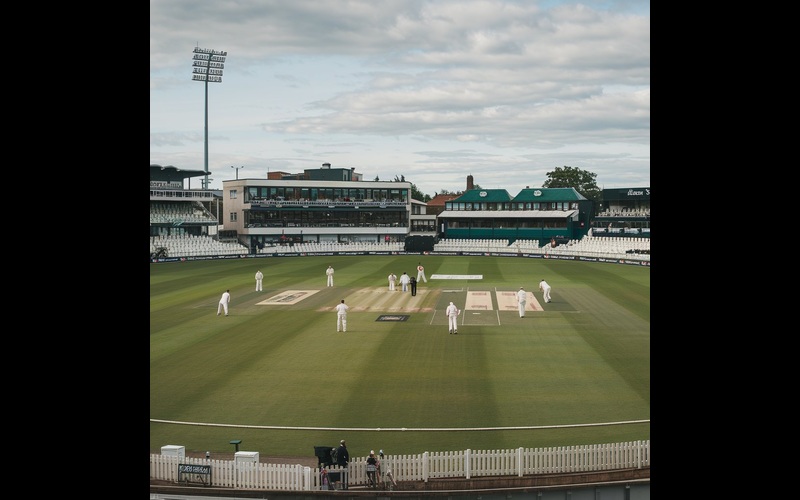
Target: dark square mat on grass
column 393, row 317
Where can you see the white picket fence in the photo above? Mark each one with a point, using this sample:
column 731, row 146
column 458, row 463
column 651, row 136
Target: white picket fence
column 429, row 465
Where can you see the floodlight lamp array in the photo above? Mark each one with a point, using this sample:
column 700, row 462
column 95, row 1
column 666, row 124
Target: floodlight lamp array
column 208, row 65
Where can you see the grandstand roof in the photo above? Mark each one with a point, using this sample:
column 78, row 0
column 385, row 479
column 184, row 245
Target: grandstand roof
column 532, row 195
column 549, row 194
column 484, row 196
column 170, row 173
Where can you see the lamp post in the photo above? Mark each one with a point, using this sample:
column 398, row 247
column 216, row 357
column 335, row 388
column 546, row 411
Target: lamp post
column 237, row 171
column 207, row 67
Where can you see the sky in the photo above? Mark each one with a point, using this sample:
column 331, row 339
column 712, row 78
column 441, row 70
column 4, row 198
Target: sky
column 425, row 91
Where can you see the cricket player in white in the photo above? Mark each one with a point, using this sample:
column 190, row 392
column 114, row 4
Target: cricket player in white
column 392, row 281
column 545, row 288
column 522, row 298
column 341, row 316
column 259, row 281
column 329, row 273
column 452, row 313
column 404, row 281
column 421, row 273
column 223, row 302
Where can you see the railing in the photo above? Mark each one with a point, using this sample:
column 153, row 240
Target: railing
column 180, row 194
column 604, row 248
column 327, row 203
column 423, row 467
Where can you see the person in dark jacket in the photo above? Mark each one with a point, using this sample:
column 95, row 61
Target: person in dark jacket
column 343, row 460
column 413, row 283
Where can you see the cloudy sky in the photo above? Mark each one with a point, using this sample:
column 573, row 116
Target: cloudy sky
column 431, row 90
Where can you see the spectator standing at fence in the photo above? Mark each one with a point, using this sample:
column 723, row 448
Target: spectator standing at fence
column 421, row 273
column 329, row 273
column 392, row 282
column 341, row 316
column 405, row 279
column 545, row 288
column 372, row 468
column 259, row 281
column 224, row 301
column 522, row 298
column 452, row 313
column 343, row 456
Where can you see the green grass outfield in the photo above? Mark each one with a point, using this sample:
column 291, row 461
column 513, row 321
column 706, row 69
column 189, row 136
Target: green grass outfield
column 268, row 369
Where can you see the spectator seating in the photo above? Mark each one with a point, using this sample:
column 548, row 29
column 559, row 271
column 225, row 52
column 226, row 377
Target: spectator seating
column 195, row 246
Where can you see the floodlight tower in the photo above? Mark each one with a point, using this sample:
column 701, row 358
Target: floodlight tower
column 207, row 67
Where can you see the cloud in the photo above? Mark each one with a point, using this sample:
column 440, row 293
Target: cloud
column 401, row 87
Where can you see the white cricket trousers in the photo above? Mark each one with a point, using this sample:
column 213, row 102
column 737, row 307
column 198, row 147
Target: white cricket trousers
column 341, row 322
column 453, row 323
column 522, row 309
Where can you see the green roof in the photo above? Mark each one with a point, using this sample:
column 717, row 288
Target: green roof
column 484, row 196
column 548, row 195
column 532, row 195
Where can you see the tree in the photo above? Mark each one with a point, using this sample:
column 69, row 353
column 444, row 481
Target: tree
column 417, row 194
column 455, row 193
column 569, row 177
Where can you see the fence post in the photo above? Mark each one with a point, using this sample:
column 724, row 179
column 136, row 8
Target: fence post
column 467, row 463
column 304, row 476
column 638, row 454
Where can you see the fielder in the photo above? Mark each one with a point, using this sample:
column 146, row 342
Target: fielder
column 421, row 273
column 341, row 316
column 223, row 302
column 545, row 288
column 522, row 297
column 329, row 273
column 452, row 313
column 259, row 281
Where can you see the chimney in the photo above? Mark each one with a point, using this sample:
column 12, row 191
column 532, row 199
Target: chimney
column 470, row 184
column 326, row 165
